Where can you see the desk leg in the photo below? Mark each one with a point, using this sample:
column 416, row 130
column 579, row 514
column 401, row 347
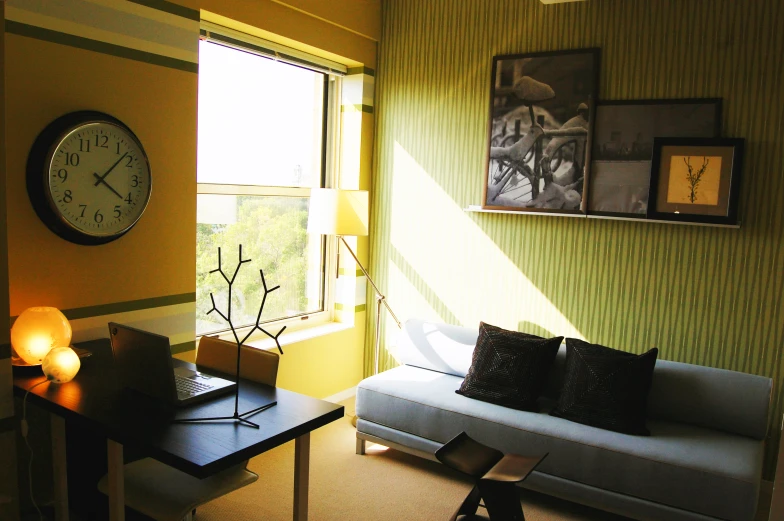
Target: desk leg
column 59, row 469
column 301, row 476
column 116, row 488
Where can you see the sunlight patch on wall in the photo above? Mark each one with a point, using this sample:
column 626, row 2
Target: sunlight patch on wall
column 461, row 265
column 408, row 302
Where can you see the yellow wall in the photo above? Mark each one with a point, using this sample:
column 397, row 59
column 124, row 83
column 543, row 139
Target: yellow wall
column 310, row 29
column 157, row 257
column 360, row 16
column 49, row 77
column 8, row 485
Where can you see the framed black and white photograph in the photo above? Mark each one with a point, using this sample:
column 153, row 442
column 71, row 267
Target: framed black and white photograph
column 696, row 180
column 541, row 107
column 622, row 147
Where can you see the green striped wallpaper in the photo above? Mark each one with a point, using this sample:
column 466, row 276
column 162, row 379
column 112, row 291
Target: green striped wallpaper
column 707, row 296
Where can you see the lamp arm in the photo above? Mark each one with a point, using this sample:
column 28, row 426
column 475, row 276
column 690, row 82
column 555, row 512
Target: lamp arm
column 381, row 296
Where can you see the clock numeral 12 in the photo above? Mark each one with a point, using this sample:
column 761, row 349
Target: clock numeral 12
column 101, row 141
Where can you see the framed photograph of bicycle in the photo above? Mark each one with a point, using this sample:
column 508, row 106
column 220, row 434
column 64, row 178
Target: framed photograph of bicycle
column 541, row 114
column 622, row 147
column 696, row 180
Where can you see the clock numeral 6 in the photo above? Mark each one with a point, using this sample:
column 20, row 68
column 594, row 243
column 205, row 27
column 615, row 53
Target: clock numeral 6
column 98, row 216
column 71, row 159
column 67, row 197
column 117, row 212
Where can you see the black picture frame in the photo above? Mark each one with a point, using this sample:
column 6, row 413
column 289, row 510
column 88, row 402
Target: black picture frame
column 622, row 147
column 714, row 197
column 558, row 90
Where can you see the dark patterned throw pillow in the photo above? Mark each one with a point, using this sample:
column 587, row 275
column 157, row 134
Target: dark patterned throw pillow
column 606, row 388
column 509, row 368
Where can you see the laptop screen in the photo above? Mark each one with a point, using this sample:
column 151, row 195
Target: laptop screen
column 143, row 361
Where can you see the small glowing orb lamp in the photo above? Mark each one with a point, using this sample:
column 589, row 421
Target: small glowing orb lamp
column 37, row 330
column 61, row 365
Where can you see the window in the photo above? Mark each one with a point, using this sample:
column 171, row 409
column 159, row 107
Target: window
column 265, row 136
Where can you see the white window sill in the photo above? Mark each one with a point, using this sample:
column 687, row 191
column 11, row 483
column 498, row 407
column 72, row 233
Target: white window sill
column 262, row 341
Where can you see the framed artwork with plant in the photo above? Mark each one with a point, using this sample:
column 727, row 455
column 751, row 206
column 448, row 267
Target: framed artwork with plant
column 696, row 180
column 541, row 113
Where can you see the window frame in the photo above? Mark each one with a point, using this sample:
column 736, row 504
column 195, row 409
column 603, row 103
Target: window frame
column 329, row 179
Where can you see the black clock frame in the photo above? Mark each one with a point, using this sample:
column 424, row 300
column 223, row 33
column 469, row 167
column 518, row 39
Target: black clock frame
column 37, row 173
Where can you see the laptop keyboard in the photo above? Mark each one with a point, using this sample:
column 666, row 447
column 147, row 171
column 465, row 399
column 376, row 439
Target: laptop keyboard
column 188, row 386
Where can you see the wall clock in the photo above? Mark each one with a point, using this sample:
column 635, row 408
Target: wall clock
column 88, row 177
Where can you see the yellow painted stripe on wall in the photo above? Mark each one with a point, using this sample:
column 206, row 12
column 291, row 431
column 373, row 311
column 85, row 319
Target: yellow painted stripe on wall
column 177, row 322
column 149, row 12
column 131, row 26
column 706, row 296
column 92, row 33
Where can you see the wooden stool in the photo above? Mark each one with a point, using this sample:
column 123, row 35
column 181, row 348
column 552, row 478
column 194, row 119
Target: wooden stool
column 496, row 477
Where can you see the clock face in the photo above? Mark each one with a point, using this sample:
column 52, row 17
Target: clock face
column 99, row 179
column 88, row 177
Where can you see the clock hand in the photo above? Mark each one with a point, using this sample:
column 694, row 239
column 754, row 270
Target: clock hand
column 101, row 178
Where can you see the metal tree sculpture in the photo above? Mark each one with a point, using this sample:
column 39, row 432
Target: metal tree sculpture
column 227, row 317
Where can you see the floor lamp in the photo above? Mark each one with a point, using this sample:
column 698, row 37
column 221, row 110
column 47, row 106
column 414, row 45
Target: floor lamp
column 345, row 213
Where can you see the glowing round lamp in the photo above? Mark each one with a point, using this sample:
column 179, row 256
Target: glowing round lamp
column 36, row 331
column 61, row 365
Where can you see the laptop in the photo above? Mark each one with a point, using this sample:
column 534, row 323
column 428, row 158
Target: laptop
column 144, row 363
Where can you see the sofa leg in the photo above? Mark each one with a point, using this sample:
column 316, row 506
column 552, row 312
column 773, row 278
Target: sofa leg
column 360, row 447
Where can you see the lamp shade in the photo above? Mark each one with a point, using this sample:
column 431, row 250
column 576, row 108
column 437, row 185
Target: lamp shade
column 61, row 365
column 338, row 212
column 37, row 330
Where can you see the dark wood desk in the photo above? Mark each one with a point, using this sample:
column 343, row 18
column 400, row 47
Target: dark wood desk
column 95, row 401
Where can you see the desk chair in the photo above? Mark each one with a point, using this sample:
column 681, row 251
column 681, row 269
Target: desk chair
column 167, row 494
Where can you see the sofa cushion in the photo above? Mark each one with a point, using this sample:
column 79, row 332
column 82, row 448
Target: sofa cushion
column 605, row 387
column 509, row 368
column 730, row 401
column 679, row 465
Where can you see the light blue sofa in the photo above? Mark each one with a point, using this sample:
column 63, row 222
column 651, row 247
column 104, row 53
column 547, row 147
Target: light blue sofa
column 703, row 460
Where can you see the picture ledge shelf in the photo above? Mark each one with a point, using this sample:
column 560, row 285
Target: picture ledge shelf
column 478, row 209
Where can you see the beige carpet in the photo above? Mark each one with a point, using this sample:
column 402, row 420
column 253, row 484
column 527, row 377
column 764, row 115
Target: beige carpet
column 383, row 485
